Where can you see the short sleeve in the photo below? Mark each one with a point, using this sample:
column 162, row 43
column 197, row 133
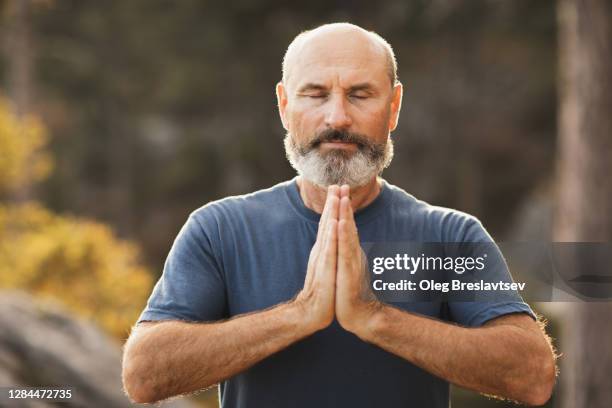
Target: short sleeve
column 476, row 242
column 191, row 286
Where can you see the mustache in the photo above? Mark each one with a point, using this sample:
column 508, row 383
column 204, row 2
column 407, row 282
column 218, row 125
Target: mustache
column 330, row 135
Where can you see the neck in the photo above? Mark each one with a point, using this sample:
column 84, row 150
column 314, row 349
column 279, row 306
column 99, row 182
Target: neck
column 314, row 196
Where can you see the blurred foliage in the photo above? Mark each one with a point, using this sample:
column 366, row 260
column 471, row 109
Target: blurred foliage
column 157, row 107
column 22, row 159
column 77, row 261
column 74, row 260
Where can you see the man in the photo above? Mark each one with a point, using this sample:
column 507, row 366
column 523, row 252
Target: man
column 267, row 293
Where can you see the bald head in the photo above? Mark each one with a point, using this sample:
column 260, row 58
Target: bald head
column 336, row 40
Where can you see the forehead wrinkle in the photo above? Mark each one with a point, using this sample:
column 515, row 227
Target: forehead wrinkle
column 324, row 40
column 348, row 82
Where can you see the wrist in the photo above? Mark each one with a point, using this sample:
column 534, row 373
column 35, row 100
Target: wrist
column 302, row 314
column 377, row 321
column 367, row 322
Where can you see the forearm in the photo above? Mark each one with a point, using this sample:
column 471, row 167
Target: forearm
column 503, row 360
column 178, row 357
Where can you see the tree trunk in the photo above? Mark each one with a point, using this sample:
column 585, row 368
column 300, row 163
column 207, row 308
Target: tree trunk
column 18, row 54
column 585, row 189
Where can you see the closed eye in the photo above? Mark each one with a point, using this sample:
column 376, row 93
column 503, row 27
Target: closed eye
column 314, row 95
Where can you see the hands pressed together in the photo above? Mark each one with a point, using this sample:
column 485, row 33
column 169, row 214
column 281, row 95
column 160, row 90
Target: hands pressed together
column 337, row 281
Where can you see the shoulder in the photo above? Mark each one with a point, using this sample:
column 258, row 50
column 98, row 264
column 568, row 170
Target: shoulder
column 447, row 224
column 252, row 204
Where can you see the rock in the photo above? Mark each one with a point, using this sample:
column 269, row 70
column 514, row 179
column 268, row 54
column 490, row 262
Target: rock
column 41, row 344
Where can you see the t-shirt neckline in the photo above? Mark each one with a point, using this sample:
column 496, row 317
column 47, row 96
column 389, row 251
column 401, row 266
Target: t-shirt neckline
column 362, row 216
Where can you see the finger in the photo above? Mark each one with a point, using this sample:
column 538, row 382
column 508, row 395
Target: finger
column 323, row 218
column 344, row 204
column 320, row 242
column 346, row 213
column 349, row 247
column 311, row 266
column 323, row 244
column 330, row 257
column 332, row 191
column 343, row 255
column 345, row 191
column 349, row 276
column 331, row 211
column 334, row 209
column 342, row 244
column 343, row 233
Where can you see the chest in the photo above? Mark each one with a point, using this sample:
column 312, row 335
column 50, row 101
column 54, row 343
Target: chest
column 264, row 268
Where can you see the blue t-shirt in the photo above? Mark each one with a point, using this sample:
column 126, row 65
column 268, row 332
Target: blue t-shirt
column 246, row 253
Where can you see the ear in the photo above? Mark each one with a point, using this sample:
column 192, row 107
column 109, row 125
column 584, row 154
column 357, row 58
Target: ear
column 281, row 98
column 396, row 104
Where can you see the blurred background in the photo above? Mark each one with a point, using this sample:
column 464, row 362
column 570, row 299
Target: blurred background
column 119, row 118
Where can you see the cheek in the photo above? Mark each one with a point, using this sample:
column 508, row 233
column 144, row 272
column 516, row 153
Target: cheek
column 379, row 122
column 303, row 123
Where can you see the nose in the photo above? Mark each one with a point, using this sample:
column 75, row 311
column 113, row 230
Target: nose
column 337, row 116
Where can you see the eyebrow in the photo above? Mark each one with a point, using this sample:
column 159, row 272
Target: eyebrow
column 364, row 86
column 311, row 86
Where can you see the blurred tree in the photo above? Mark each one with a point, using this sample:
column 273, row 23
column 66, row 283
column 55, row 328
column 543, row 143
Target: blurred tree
column 22, row 160
column 584, row 190
column 157, row 107
column 76, row 261
column 18, row 44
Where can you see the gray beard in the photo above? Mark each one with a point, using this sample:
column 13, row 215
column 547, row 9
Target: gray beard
column 338, row 166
